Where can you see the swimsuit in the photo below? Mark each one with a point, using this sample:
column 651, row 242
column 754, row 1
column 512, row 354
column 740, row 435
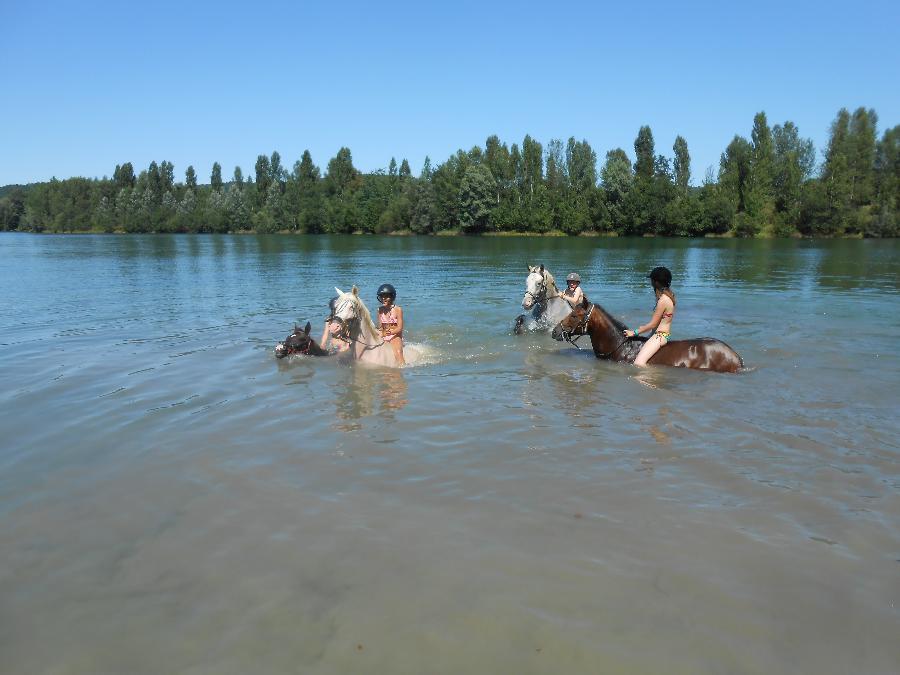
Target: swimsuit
column 388, row 321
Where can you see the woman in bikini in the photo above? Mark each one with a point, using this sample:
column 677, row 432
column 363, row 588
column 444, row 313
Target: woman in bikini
column 661, row 321
column 390, row 318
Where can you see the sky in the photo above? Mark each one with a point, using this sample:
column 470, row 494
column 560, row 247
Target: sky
column 89, row 85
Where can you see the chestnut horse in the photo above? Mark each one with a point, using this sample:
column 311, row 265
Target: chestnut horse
column 609, row 342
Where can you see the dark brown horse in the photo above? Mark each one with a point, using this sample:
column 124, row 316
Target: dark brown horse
column 609, row 342
column 299, row 342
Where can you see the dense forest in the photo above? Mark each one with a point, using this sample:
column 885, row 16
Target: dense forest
column 767, row 185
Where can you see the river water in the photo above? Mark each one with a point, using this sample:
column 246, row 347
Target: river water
column 175, row 500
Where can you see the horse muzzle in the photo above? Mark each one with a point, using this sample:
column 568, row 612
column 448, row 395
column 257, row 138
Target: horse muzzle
column 558, row 333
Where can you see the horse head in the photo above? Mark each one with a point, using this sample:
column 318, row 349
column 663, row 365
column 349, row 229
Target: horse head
column 535, row 288
column 574, row 324
column 298, row 342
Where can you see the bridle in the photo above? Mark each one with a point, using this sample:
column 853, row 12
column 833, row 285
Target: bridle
column 290, row 350
column 344, row 334
column 581, row 330
column 540, row 297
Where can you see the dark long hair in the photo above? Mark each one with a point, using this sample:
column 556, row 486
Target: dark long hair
column 659, row 290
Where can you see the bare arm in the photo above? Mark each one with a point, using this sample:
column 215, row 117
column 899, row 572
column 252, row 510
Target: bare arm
column 654, row 320
column 399, row 327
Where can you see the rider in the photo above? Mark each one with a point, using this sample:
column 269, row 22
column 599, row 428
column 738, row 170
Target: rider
column 390, row 318
column 331, row 328
column 661, row 321
column 573, row 293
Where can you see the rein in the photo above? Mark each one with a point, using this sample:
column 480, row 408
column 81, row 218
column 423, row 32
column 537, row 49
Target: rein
column 344, row 335
column 581, row 329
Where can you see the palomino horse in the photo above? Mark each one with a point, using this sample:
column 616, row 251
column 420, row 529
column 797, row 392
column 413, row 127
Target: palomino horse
column 609, row 342
column 353, row 323
column 299, row 342
column 541, row 298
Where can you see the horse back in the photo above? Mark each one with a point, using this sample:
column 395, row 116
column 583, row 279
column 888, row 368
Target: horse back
column 701, row 353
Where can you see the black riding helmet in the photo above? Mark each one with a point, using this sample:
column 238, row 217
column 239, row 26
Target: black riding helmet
column 661, row 275
column 388, row 290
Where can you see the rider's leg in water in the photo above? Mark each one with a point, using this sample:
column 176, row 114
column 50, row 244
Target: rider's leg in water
column 397, row 346
column 651, row 346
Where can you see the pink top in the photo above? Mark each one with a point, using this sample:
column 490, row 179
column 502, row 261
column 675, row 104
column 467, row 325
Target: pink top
column 388, row 320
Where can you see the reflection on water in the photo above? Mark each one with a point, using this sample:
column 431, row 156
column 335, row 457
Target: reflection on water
column 175, row 499
column 362, row 391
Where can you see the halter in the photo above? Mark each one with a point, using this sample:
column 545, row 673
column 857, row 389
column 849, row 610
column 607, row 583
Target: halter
column 579, row 331
column 290, row 350
column 344, row 334
column 580, row 328
column 541, row 296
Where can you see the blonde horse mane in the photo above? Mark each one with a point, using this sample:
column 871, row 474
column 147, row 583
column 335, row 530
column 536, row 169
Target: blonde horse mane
column 362, row 310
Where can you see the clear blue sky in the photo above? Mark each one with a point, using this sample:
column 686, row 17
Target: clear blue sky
column 88, row 85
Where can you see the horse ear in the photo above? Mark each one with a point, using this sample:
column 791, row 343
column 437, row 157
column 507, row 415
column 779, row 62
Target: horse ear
column 542, row 268
column 355, row 290
column 308, row 328
column 339, row 291
column 530, row 269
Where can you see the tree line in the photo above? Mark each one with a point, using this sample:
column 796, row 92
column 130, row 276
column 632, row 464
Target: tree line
column 767, row 185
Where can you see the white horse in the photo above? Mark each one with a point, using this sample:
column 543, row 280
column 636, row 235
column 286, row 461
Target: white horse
column 541, row 297
column 355, row 325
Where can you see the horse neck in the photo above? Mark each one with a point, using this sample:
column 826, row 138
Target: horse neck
column 605, row 334
column 550, row 285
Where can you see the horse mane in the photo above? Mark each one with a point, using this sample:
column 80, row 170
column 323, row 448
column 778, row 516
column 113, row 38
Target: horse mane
column 619, row 326
column 549, row 281
column 364, row 314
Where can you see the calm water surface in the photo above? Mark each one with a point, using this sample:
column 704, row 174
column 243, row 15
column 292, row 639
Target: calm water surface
column 175, row 500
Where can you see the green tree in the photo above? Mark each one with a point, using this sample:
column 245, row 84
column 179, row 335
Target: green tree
column 405, row 171
column 734, row 171
column 581, row 167
column 124, row 176
column 263, row 178
column 861, row 147
column 423, row 219
column 532, row 166
column 793, row 159
column 682, row 165
column 836, row 176
column 190, row 178
column 886, row 222
column 645, row 153
column 215, row 178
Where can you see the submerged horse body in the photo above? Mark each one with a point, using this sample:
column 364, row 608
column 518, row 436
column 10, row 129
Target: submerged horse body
column 609, row 342
column 541, row 299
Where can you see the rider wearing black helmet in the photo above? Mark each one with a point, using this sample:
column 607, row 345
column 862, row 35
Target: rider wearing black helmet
column 661, row 321
column 390, row 318
column 573, row 293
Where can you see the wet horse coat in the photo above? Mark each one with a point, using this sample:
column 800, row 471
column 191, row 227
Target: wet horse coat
column 542, row 301
column 609, row 342
column 357, row 328
column 299, row 342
